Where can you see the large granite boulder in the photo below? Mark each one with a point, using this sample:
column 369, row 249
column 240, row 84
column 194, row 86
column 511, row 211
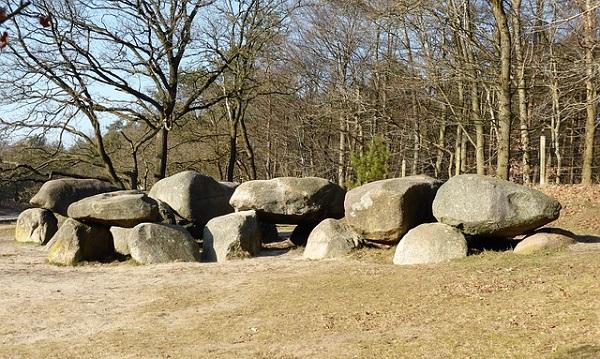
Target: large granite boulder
column 383, row 211
column 430, row 243
column 57, row 195
column 290, row 200
column 120, row 237
column 235, row 235
column 545, row 240
column 75, row 242
column 330, row 239
column 492, row 207
column 120, row 208
column 36, row 225
column 151, row 243
column 195, row 197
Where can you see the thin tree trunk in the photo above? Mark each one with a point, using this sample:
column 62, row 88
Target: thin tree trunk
column 232, row 151
column 463, row 153
column 233, row 128
column 249, row 149
column 504, row 84
column 590, row 26
column 162, row 151
column 269, row 162
column 342, row 153
column 457, row 150
column 474, row 93
column 441, row 144
column 106, row 160
column 521, row 91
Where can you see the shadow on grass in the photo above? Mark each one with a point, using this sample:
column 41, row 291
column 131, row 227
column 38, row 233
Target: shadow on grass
column 478, row 245
column 273, row 252
column 587, row 239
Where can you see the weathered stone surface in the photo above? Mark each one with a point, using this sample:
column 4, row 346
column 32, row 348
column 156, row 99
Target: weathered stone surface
column 235, row 235
column 544, row 240
column 75, row 242
column 195, row 197
column 383, row 211
column 486, row 206
column 290, row 200
column 36, row 225
column 430, row 243
column 330, row 239
column 57, row 195
column 120, row 237
column 120, row 208
column 151, row 243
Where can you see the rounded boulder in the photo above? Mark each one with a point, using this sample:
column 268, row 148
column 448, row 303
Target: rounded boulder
column 430, row 243
column 492, row 207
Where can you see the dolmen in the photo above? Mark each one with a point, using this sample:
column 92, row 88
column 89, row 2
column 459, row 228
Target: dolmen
column 190, row 217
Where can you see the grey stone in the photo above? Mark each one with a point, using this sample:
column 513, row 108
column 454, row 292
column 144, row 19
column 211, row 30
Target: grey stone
column 430, row 243
column 57, row 195
column 120, row 208
column 235, row 235
column 75, row 242
column 290, row 200
column 545, row 240
column 151, row 243
column 383, row 211
column 486, row 206
column 36, row 225
column 120, row 237
column 194, row 197
column 331, row 238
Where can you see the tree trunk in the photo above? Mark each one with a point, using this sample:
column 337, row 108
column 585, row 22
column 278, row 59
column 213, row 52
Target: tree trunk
column 269, row 162
column 457, row 150
column 342, row 153
column 233, row 126
column 440, row 145
column 590, row 26
column 416, row 149
column 521, row 91
column 106, row 160
column 463, row 153
column 474, row 93
column 162, row 149
column 249, row 150
column 504, row 96
column 135, row 173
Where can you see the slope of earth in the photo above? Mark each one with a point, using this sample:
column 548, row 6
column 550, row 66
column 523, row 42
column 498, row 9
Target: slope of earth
column 581, row 208
column 494, row 305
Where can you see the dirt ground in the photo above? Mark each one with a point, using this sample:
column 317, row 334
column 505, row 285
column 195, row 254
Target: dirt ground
column 493, row 305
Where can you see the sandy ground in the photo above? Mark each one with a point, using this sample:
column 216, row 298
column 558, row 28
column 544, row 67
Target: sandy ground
column 492, row 305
